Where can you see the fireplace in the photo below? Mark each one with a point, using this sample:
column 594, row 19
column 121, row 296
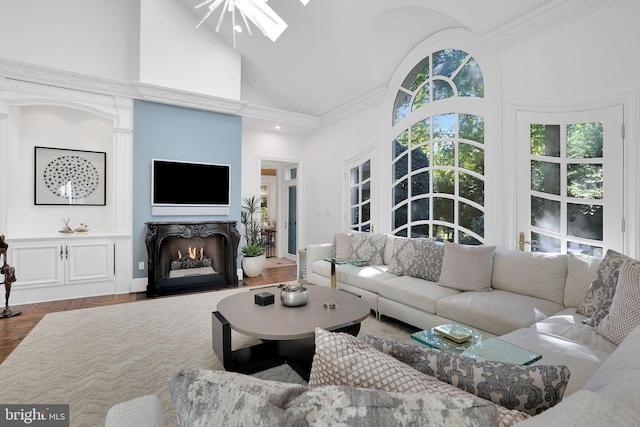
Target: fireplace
column 191, row 256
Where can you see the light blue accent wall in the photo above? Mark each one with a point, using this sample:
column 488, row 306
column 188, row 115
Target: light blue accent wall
column 177, row 133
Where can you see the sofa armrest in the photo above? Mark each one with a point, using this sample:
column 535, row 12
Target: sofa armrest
column 318, row 252
column 145, row 411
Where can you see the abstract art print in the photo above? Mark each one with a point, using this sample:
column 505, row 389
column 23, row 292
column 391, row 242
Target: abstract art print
column 70, row 177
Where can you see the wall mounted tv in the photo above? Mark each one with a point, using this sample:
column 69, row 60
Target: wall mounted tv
column 189, row 188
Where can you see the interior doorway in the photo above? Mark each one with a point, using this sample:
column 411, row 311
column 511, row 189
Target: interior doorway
column 279, row 181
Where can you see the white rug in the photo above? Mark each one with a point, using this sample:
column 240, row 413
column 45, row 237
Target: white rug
column 94, row 358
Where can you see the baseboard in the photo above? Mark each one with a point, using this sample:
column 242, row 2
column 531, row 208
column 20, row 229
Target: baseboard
column 139, row 285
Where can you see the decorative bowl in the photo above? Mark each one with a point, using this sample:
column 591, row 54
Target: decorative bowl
column 294, row 295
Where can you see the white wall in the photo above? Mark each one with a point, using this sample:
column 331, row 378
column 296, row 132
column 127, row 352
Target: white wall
column 45, row 33
column 173, row 53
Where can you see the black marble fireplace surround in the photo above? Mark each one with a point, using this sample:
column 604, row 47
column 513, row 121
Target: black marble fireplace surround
column 214, row 240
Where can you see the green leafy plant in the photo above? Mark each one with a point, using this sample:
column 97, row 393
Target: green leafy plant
column 255, row 243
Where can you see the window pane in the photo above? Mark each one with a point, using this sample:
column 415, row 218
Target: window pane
column 420, row 184
column 366, row 170
column 585, row 181
column 466, row 239
column 444, row 153
column 355, row 196
column 444, row 181
column 401, row 106
column 400, row 216
column 444, row 126
column 443, row 209
column 400, row 192
column 420, row 157
column 545, row 140
column 471, row 158
column 400, row 144
column 355, row 217
column 442, row 232
column 471, row 127
column 584, row 140
column 366, row 212
column 471, row 188
column 366, row 191
column 421, row 99
column 544, row 243
column 470, row 218
column 445, row 62
column 355, row 176
column 442, row 90
column 420, row 132
column 420, row 209
column 545, row 177
column 417, row 76
column 401, row 233
column 470, row 81
column 545, row 214
column 400, row 168
column 581, row 248
column 420, row 230
column 584, row 221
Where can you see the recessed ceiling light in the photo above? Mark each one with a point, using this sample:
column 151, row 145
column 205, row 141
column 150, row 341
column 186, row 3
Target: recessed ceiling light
column 238, row 28
column 278, row 127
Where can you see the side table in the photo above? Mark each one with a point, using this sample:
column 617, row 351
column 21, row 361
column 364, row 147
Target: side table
column 341, row 261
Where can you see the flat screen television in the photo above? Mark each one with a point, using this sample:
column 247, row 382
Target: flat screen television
column 189, row 188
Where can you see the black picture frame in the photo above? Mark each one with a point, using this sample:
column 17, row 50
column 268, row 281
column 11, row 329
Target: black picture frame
column 69, row 177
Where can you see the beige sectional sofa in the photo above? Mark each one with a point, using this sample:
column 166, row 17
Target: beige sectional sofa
column 532, row 303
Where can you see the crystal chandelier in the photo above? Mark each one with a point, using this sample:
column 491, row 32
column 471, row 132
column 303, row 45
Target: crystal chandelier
column 255, row 11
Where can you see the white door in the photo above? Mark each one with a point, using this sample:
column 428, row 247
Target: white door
column 570, row 181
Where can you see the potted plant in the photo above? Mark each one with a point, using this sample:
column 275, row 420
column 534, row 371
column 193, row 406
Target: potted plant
column 253, row 251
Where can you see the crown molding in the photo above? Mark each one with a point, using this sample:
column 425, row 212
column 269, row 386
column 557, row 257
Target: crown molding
column 280, row 116
column 542, row 19
column 358, row 105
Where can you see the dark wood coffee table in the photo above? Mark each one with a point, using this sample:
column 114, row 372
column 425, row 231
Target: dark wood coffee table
column 287, row 333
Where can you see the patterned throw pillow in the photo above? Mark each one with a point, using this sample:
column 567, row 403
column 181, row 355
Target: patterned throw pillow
column 219, row 398
column 467, row 268
column 342, row 359
column 341, row 245
column 418, row 258
column 369, row 247
column 601, row 290
column 530, row 389
column 624, row 314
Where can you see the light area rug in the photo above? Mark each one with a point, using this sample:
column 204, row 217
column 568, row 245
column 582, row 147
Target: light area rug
column 94, row 358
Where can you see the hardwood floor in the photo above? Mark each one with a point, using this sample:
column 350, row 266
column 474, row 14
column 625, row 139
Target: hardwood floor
column 14, row 329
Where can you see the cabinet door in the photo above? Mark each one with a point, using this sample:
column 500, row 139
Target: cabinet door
column 89, row 261
column 37, row 263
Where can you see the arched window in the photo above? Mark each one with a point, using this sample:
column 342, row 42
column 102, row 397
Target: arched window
column 438, row 179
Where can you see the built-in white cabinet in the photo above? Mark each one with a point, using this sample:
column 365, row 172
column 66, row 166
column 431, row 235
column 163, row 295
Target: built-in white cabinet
column 55, row 269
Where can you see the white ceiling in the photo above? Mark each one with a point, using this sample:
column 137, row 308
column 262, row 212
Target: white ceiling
column 335, row 51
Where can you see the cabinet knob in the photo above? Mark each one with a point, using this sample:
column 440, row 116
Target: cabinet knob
column 61, row 252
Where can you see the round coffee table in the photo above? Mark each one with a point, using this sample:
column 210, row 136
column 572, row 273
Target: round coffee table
column 287, row 332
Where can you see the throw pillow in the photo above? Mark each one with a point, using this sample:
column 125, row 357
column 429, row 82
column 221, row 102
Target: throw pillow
column 601, row 290
column 341, row 245
column 342, row 359
column 624, row 314
column 530, row 389
column 418, row 258
column 467, row 268
column 369, row 247
column 206, row 398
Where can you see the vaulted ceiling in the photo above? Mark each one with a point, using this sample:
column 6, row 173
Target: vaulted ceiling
column 335, row 51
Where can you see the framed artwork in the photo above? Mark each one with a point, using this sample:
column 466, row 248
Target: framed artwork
column 70, row 177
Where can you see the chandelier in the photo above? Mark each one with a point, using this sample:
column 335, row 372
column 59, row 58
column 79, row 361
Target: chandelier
column 255, row 11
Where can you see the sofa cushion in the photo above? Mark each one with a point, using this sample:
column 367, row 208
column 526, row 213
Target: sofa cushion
column 467, row 268
column 624, row 314
column 585, row 408
column 581, row 269
column 534, row 274
column 368, row 247
column 568, row 324
column 219, row 398
column 342, row 359
column 367, row 277
column 498, row 312
column 531, row 389
column 413, row 292
column 601, row 290
column 341, row 245
column 417, row 258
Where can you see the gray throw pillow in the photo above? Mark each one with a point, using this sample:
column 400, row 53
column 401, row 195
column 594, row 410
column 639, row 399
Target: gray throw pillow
column 530, row 389
column 368, row 247
column 466, row 267
column 603, row 287
column 417, row 257
column 218, row 398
